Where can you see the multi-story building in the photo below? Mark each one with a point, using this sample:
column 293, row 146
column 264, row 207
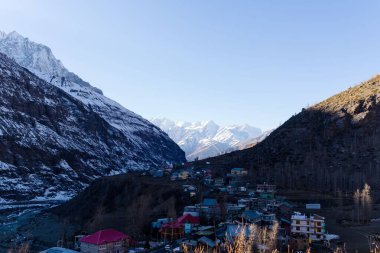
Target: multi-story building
column 266, row 188
column 312, row 226
column 239, row 172
column 105, row 241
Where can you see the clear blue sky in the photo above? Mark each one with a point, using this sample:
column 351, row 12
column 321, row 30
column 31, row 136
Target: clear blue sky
column 255, row 62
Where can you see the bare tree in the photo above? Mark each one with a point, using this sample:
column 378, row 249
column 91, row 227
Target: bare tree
column 366, row 202
column 363, row 204
column 357, row 205
column 24, row 248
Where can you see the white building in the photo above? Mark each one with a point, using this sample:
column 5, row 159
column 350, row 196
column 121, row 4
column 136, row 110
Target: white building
column 312, row 226
column 266, row 188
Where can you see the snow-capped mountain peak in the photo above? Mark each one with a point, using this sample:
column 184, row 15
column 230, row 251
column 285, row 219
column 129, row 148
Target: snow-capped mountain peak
column 104, row 138
column 39, row 59
column 14, row 35
column 203, row 139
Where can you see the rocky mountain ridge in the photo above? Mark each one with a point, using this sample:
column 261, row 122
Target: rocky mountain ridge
column 39, row 59
column 56, row 137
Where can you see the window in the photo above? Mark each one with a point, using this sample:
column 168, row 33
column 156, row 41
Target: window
column 297, row 222
column 298, row 228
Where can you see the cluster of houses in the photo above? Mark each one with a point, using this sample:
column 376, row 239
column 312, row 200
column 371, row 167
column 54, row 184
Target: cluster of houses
column 230, row 203
column 227, row 205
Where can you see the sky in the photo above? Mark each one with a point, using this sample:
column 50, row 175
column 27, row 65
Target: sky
column 234, row 62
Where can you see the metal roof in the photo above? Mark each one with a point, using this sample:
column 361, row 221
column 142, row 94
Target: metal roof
column 209, row 202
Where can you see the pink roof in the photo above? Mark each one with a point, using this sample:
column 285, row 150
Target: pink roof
column 104, row 236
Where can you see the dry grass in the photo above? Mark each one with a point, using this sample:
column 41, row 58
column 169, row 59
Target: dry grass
column 261, row 240
column 351, row 96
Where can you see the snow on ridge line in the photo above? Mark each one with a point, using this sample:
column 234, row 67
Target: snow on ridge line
column 37, row 57
column 204, row 139
column 79, row 89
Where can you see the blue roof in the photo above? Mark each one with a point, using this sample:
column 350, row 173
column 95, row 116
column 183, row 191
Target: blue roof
column 207, row 241
column 252, row 214
column 287, row 204
column 209, row 202
column 237, row 169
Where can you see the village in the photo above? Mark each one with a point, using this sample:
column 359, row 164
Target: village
column 229, row 208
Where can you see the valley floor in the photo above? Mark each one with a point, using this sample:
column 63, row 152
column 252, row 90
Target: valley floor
column 14, row 215
column 46, row 228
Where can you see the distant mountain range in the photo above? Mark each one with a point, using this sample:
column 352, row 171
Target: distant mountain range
column 58, row 133
column 332, row 147
column 205, row 139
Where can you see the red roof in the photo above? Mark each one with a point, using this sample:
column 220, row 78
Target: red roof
column 104, row 236
column 172, row 224
column 188, row 218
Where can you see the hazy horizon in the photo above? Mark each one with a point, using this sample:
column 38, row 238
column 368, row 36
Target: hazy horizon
column 244, row 62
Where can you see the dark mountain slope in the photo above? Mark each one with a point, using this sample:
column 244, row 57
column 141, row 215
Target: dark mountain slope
column 334, row 145
column 52, row 145
column 126, row 202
